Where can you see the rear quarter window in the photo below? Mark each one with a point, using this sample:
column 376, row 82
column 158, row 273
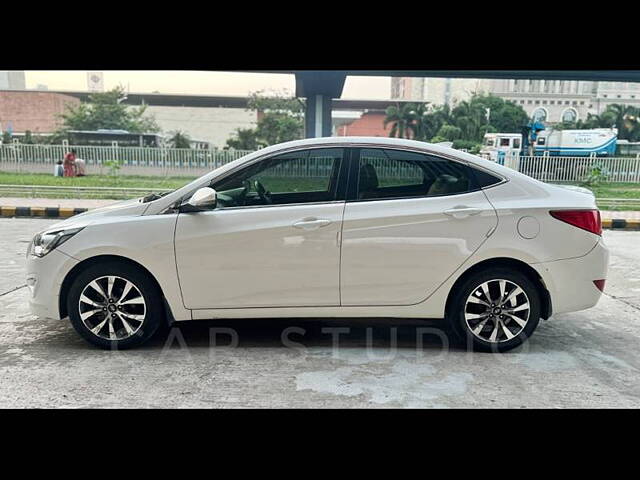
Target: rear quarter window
column 483, row 178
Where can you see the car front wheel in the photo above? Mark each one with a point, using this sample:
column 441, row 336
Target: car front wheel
column 114, row 305
column 495, row 310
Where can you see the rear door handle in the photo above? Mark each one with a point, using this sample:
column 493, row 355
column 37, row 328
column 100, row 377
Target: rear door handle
column 462, row 211
column 312, row 223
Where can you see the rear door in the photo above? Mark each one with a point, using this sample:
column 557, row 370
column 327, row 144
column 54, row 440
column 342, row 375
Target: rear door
column 410, row 221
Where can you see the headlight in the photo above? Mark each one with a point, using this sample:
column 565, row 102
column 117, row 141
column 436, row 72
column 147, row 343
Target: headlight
column 44, row 242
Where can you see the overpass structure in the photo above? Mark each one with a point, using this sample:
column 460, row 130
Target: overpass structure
column 319, row 87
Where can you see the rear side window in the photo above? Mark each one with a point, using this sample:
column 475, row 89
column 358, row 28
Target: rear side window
column 385, row 173
column 484, row 179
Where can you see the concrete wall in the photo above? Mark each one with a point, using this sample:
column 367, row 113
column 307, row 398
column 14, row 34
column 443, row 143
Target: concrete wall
column 35, row 111
column 214, row 125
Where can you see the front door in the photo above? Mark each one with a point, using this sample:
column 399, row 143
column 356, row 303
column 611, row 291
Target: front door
column 273, row 239
column 413, row 221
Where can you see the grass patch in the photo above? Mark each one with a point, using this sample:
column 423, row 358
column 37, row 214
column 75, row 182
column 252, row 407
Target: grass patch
column 128, row 181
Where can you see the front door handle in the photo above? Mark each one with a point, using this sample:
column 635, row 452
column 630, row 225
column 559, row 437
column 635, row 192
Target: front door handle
column 462, row 211
column 312, row 223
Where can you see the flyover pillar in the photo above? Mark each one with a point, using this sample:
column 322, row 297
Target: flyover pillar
column 319, row 88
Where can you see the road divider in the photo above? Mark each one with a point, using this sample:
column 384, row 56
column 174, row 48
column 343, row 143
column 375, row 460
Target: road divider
column 42, row 212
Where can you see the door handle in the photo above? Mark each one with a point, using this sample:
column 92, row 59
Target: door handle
column 462, row 211
column 312, row 223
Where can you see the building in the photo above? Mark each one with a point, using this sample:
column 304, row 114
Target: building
column 550, row 101
column 12, row 81
column 36, row 111
column 437, row 91
column 207, row 119
column 360, row 124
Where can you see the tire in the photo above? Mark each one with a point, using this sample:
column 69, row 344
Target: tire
column 134, row 315
column 496, row 329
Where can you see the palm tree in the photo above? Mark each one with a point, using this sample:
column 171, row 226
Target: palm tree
column 470, row 118
column 402, row 120
column 623, row 117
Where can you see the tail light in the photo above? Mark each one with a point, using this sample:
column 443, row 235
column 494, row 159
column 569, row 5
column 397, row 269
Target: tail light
column 588, row 220
column 599, row 284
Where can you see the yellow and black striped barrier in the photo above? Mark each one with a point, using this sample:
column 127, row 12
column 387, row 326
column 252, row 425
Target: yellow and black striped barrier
column 620, row 224
column 41, row 212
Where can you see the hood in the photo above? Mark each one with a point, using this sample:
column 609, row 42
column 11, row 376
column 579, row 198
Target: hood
column 128, row 207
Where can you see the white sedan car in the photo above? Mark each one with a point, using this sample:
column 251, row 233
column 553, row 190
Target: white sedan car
column 330, row 227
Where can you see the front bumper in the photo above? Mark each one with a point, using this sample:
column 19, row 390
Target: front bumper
column 570, row 282
column 44, row 279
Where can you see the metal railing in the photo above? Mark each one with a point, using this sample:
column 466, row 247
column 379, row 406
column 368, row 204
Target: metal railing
column 576, row 169
column 16, row 157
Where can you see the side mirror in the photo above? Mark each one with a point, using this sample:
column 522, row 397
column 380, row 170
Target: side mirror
column 203, row 199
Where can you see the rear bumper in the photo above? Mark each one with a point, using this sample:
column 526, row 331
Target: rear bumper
column 570, row 282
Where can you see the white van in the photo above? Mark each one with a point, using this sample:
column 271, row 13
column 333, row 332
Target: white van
column 498, row 145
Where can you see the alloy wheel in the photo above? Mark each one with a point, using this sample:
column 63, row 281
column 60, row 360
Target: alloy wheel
column 112, row 307
column 497, row 311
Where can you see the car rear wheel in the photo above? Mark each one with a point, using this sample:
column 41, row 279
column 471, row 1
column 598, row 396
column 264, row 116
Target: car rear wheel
column 114, row 305
column 495, row 310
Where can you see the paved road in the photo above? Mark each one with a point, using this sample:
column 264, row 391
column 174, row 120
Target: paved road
column 584, row 359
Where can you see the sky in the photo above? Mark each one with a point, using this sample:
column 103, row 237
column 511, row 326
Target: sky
column 200, row 82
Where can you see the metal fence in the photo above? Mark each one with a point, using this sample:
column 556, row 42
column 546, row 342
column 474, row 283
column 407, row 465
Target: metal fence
column 577, row 169
column 17, row 157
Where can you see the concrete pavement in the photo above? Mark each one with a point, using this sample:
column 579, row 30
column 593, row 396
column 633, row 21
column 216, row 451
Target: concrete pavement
column 583, row 359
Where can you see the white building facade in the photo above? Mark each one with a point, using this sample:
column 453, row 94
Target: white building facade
column 550, row 101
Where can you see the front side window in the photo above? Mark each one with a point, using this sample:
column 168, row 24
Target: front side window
column 298, row 177
column 504, row 142
column 389, row 173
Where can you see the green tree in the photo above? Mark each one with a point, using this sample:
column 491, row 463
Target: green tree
column 275, row 101
column 402, row 119
column 281, row 120
column 467, row 121
column 106, row 110
column 6, row 137
column 450, row 133
column 28, row 138
column 180, row 139
column 244, row 139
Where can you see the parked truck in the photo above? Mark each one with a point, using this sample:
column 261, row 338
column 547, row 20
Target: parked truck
column 556, row 143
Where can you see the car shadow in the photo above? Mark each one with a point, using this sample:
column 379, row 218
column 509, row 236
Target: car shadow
column 307, row 332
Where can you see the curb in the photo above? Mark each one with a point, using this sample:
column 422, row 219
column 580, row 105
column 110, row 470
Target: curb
column 43, row 212
column 620, row 224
